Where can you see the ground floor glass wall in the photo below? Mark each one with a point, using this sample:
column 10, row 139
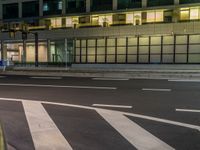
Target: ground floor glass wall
column 139, row 49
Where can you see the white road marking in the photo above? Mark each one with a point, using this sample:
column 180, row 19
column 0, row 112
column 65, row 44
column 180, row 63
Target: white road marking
column 56, row 78
column 2, row 76
column 58, row 86
column 188, row 110
column 111, row 79
column 195, row 127
column 122, row 124
column 114, row 106
column 44, row 132
column 136, row 135
column 184, row 80
column 159, row 90
column 176, row 123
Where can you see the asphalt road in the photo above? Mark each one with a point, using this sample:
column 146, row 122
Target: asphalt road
column 99, row 113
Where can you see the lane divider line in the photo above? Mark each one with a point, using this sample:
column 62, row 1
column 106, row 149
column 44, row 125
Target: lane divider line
column 2, row 76
column 58, row 86
column 44, row 131
column 184, row 80
column 188, row 110
column 159, row 90
column 112, row 106
column 56, row 78
column 132, row 132
column 111, row 79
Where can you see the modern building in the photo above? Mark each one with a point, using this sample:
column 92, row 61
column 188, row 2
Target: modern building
column 102, row 31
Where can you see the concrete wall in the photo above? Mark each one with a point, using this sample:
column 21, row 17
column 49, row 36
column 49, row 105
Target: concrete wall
column 148, row 29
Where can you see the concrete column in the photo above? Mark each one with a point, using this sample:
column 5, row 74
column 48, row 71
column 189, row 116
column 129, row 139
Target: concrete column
column 144, row 3
column 24, row 52
column 114, row 4
column 1, row 11
column 88, row 3
column 176, row 15
column 63, row 7
column 176, row 2
column 20, row 9
column 48, row 50
column 66, row 52
column 41, row 7
column 3, row 51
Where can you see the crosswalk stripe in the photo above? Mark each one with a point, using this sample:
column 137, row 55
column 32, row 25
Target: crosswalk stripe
column 44, row 132
column 136, row 135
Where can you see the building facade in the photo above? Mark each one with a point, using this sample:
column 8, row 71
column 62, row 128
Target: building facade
column 101, row 31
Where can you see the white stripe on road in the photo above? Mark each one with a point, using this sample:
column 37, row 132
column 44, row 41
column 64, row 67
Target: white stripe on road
column 114, row 106
column 44, row 132
column 195, row 127
column 58, row 86
column 185, row 80
column 136, row 135
column 2, row 76
column 111, row 79
column 159, row 90
column 188, row 110
column 176, row 123
column 56, row 78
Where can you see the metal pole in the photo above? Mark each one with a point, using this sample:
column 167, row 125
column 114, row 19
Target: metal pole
column 36, row 49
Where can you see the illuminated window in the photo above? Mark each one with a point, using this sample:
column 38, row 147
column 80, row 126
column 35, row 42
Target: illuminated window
column 45, row 7
column 60, row 5
column 69, row 22
column 151, row 16
column 129, row 18
column 184, row 14
column 137, row 18
column 105, row 19
column 56, row 22
column 155, row 16
column 159, row 16
column 194, row 13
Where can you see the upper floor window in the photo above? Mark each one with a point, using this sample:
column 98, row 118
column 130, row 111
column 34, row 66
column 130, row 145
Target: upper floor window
column 123, row 4
column 75, row 6
column 159, row 2
column 10, row 11
column 30, row 9
column 188, row 1
column 101, row 5
column 52, row 7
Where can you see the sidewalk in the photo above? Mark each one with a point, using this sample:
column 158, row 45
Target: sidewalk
column 143, row 73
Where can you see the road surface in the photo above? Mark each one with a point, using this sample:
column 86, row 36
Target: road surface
column 66, row 113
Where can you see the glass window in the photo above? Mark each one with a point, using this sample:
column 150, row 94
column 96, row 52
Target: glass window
column 194, row 13
column 53, row 7
column 184, row 14
column 30, row 9
column 75, row 6
column 154, row 16
column 159, row 2
column 123, row 4
column 10, row 11
column 101, row 5
column 188, row 1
